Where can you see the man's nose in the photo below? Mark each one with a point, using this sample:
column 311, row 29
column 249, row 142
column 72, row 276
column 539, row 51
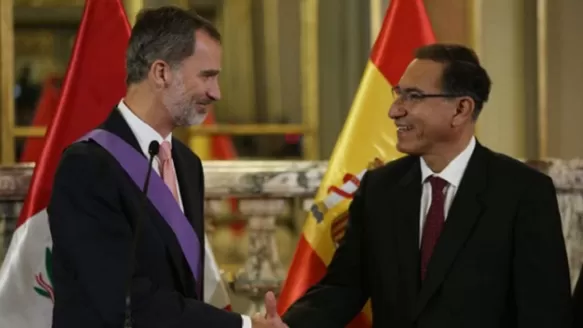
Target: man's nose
column 396, row 111
column 214, row 91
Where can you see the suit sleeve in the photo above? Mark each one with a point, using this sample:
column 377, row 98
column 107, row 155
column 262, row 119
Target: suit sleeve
column 541, row 269
column 91, row 241
column 343, row 291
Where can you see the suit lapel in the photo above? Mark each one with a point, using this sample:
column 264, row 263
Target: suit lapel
column 116, row 124
column 464, row 213
column 190, row 191
column 407, row 223
column 188, row 179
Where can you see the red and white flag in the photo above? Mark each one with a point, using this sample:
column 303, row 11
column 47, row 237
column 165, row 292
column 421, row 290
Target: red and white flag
column 94, row 82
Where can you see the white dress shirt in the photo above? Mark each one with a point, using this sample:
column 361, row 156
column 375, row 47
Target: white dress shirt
column 452, row 173
column 145, row 134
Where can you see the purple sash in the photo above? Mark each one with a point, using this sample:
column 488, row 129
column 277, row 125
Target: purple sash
column 136, row 165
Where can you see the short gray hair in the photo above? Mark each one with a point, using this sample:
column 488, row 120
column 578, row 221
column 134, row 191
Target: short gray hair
column 166, row 33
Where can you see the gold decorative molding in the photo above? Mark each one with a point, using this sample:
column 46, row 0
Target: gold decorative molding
column 475, row 24
column 132, row 8
column 500, row 25
column 50, row 3
column 543, row 76
column 376, row 19
column 237, row 76
column 250, row 129
column 228, row 129
column 7, row 80
column 43, row 17
column 310, row 77
column 34, row 42
column 272, row 59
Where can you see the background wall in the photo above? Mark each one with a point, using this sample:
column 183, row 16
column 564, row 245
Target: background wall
column 531, row 68
column 565, row 79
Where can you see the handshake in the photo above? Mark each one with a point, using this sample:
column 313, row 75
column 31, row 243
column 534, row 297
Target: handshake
column 271, row 319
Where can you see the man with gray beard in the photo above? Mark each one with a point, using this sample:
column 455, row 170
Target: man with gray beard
column 103, row 274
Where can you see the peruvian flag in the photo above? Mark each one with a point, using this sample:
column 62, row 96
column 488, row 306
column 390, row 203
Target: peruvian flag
column 94, row 82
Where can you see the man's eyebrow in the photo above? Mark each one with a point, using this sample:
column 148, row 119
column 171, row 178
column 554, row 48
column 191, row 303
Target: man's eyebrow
column 409, row 89
column 209, row 72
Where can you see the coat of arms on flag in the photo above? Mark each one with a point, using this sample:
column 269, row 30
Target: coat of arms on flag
column 44, row 283
column 338, row 198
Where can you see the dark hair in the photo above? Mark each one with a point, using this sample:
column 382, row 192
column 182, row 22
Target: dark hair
column 463, row 75
column 166, row 33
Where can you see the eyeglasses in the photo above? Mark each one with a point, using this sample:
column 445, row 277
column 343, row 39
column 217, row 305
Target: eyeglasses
column 416, row 95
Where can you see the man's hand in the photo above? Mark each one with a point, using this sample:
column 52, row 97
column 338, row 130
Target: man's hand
column 271, row 318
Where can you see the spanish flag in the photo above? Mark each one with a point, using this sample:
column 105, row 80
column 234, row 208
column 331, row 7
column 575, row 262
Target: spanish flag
column 367, row 140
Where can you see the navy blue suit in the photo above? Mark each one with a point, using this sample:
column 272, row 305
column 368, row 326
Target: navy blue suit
column 92, row 216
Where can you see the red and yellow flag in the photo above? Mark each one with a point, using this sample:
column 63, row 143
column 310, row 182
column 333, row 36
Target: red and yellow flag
column 368, row 137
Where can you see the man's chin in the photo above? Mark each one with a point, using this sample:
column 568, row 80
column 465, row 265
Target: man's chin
column 196, row 119
column 407, row 148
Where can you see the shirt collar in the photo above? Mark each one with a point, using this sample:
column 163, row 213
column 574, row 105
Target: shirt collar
column 454, row 171
column 144, row 133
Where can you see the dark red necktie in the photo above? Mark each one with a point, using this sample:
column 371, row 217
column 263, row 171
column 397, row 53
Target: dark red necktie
column 433, row 222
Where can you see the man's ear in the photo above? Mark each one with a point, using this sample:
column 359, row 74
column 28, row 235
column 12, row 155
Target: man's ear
column 160, row 74
column 464, row 111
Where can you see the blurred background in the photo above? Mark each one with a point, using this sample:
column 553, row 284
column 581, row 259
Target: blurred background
column 531, row 50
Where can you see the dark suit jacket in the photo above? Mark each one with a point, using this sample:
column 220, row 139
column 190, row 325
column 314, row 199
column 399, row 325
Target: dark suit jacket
column 92, row 216
column 500, row 260
column 578, row 301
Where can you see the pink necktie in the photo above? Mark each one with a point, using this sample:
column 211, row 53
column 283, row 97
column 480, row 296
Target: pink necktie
column 167, row 168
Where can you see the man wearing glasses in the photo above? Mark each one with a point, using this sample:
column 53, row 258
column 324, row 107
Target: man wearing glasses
column 452, row 235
